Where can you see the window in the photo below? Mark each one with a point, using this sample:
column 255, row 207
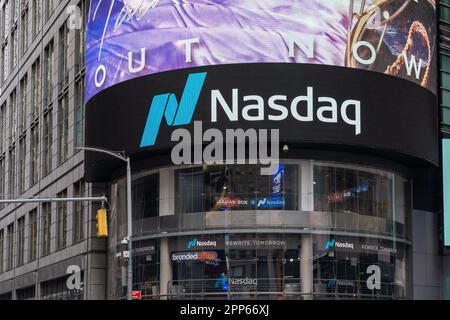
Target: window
column 63, row 57
column 14, row 48
column 37, row 17
column 34, row 154
column 350, row 191
column 2, row 240
column 370, row 195
column 10, row 248
column 2, row 127
column 5, row 20
column 5, row 62
column 145, row 192
column 47, row 143
column 12, row 173
column 36, row 88
column 20, row 241
column 6, row 27
column 445, row 116
column 445, row 87
column 445, row 98
column 24, row 29
column 63, row 127
column 49, row 8
column 445, row 62
column 6, row 296
column 23, row 104
column 78, row 215
column 48, row 78
column 80, row 40
column 236, row 187
column 2, row 179
column 27, row 293
column 12, row 116
column 33, row 235
column 14, row 36
column 15, row 10
column 79, row 113
column 46, row 228
column 14, row 43
column 62, row 221
column 445, row 14
column 57, row 290
column 79, row 79
column 21, row 165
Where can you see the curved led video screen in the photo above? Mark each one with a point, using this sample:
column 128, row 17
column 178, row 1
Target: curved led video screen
column 127, row 39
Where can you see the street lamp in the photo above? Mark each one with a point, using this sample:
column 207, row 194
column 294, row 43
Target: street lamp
column 122, row 157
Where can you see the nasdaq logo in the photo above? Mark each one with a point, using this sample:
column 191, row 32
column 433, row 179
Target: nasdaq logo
column 192, row 244
column 344, row 245
column 344, row 283
column 222, row 282
column 195, row 243
column 331, row 283
column 330, row 244
column 274, row 202
column 167, row 106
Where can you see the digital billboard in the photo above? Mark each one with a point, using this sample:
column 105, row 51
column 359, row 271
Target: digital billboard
column 319, row 106
column 127, row 39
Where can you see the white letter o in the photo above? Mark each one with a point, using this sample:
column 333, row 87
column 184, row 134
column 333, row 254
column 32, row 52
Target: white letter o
column 372, row 52
column 98, row 83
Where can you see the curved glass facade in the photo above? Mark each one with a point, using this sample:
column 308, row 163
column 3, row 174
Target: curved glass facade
column 310, row 230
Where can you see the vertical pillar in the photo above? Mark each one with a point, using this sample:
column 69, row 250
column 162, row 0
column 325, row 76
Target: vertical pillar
column 37, row 287
column 307, row 205
column 165, row 268
column 166, row 208
column 306, row 266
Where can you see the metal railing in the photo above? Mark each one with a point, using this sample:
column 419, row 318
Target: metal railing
column 240, row 219
column 265, row 288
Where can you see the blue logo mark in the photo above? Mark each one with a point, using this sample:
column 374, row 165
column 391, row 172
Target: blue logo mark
column 222, row 282
column 273, row 202
column 332, row 282
column 330, row 244
column 176, row 114
column 192, row 243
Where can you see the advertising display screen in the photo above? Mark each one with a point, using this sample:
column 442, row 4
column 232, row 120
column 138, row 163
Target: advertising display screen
column 127, row 39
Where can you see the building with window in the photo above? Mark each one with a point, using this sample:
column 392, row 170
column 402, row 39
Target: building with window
column 42, row 120
column 444, row 89
column 353, row 209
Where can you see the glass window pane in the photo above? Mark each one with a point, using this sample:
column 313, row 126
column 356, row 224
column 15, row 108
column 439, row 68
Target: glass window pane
column 445, row 98
column 445, row 80
column 445, row 63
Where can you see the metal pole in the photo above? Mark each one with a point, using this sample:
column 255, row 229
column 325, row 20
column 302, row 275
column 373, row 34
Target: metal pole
column 42, row 200
column 129, row 213
column 130, row 232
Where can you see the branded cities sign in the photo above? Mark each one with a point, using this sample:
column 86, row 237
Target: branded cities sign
column 194, row 256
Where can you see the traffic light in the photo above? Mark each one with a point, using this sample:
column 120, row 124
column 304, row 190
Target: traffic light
column 102, row 223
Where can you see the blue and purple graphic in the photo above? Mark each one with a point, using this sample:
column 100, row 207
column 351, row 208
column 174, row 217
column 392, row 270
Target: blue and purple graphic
column 132, row 38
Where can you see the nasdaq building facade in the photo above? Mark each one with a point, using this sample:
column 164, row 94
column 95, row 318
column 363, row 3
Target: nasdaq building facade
column 336, row 99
